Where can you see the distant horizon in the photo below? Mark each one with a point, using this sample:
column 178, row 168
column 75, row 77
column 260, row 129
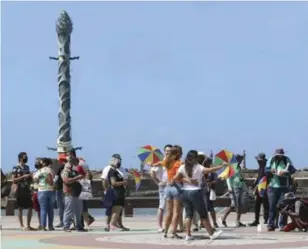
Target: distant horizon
column 229, row 74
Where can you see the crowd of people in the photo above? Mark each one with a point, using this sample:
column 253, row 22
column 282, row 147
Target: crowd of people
column 186, row 193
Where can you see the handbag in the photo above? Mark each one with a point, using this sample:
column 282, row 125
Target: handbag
column 212, row 195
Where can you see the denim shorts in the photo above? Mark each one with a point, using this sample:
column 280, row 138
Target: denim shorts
column 173, row 192
column 193, row 200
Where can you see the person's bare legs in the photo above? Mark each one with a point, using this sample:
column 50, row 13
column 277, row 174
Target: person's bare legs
column 213, row 215
column 20, row 219
column 120, row 224
column 169, row 215
column 176, row 216
column 188, row 222
column 160, row 218
column 39, row 219
column 226, row 214
column 116, row 210
column 86, row 219
column 180, row 220
column 29, row 218
column 207, row 225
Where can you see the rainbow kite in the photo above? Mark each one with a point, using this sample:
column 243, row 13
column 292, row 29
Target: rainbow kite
column 262, row 185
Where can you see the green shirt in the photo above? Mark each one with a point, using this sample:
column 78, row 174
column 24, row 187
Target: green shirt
column 278, row 181
column 41, row 175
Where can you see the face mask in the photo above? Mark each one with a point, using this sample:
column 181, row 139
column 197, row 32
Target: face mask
column 118, row 165
column 25, row 160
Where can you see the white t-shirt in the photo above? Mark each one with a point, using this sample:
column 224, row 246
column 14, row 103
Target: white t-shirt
column 105, row 172
column 161, row 173
column 197, row 174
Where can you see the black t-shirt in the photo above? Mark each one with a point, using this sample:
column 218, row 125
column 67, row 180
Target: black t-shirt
column 24, row 185
column 59, row 181
column 119, row 190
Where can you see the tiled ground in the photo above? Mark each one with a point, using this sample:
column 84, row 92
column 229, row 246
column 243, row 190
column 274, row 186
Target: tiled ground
column 143, row 234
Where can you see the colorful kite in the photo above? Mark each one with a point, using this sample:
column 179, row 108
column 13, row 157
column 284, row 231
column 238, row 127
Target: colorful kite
column 136, row 175
column 137, row 178
column 228, row 157
column 262, row 185
column 149, row 155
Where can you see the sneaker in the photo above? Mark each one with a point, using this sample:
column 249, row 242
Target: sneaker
column 196, row 229
column 223, row 222
column 189, row 238
column 271, row 229
column 254, row 223
column 81, row 230
column 67, row 230
column 91, row 221
column 216, row 225
column 216, row 234
column 161, row 230
column 106, row 229
column 59, row 225
column 51, row 228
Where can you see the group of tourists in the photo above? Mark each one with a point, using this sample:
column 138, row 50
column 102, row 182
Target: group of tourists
column 69, row 188
column 190, row 184
column 186, row 193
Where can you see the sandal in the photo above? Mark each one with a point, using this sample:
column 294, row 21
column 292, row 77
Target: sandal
column 176, row 236
column 124, row 229
column 30, row 229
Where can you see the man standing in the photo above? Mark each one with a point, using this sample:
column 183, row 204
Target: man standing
column 261, row 159
column 159, row 176
column 236, row 188
column 22, row 178
column 71, row 190
column 278, row 174
column 108, row 192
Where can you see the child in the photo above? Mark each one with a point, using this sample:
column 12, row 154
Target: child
column 85, row 195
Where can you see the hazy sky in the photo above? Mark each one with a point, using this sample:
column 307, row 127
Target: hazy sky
column 203, row 75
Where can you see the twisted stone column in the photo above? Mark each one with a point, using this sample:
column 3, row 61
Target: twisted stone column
column 64, row 28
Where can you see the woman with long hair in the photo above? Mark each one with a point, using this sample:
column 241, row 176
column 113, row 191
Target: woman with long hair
column 173, row 190
column 46, row 194
column 192, row 174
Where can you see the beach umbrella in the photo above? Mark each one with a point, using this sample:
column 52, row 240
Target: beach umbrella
column 225, row 156
column 149, row 154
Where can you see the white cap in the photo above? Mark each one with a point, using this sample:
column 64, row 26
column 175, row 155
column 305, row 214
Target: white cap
column 201, row 153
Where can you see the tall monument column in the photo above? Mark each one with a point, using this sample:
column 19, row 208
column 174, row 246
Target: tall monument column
column 64, row 28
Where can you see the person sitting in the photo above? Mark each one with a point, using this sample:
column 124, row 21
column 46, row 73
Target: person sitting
column 297, row 210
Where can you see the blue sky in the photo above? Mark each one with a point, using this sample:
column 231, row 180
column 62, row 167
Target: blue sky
column 205, row 75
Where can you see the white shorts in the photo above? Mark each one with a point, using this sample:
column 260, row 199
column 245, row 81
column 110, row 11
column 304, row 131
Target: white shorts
column 162, row 198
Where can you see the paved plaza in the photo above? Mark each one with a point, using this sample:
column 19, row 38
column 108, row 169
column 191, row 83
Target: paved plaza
column 144, row 234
